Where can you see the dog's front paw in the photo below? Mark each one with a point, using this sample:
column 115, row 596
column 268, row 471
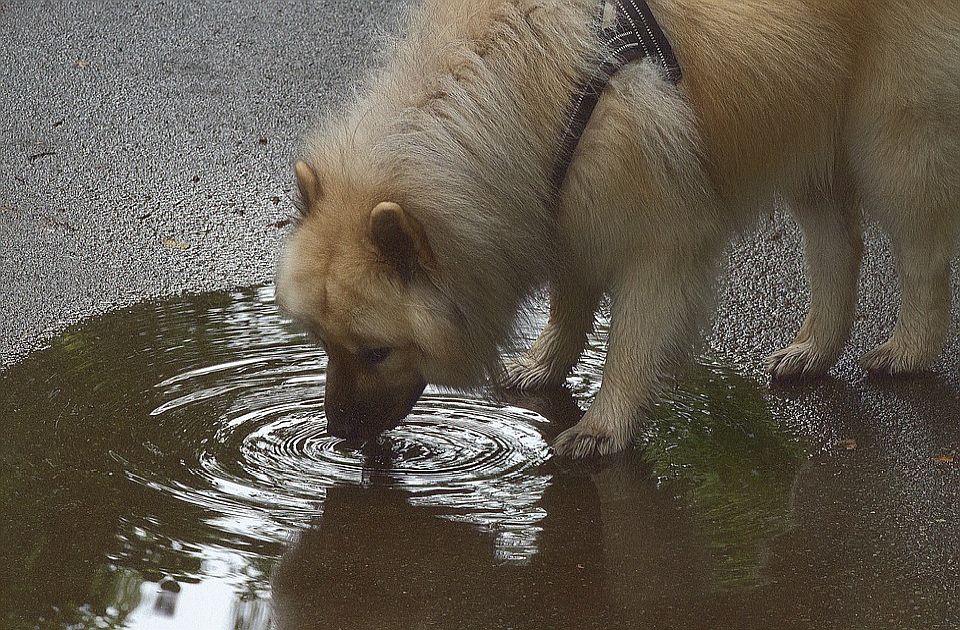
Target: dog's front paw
column 525, row 373
column 890, row 359
column 800, row 360
column 588, row 439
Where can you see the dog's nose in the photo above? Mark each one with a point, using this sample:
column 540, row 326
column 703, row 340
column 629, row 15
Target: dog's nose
column 353, row 430
column 341, row 430
column 351, row 421
column 341, row 421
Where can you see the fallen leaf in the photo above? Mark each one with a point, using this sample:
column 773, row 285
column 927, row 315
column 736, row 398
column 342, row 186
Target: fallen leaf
column 849, row 444
column 170, row 243
column 943, row 459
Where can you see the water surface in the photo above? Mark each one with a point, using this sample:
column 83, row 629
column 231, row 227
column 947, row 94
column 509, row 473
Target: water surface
column 167, row 466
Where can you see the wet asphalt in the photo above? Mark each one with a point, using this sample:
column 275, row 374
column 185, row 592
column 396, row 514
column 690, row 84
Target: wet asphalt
column 146, row 151
column 146, row 147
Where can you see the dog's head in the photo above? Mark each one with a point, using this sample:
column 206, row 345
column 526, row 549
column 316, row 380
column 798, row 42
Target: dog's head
column 359, row 275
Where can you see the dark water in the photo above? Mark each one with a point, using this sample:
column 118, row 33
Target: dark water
column 167, row 467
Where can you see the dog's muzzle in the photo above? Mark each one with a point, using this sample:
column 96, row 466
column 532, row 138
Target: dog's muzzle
column 365, row 419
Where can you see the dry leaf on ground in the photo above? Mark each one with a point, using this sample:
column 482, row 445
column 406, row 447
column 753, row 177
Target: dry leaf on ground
column 849, row 444
column 170, row 243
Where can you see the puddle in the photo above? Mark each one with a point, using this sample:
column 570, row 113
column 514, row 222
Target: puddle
column 167, row 466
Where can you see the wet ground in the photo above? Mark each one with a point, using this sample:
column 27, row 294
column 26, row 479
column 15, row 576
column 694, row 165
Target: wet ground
column 167, row 466
column 164, row 465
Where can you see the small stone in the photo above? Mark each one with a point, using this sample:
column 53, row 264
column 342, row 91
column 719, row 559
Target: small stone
column 169, row 584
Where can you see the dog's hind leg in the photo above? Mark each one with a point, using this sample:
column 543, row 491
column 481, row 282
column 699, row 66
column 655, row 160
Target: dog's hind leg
column 834, row 247
column 556, row 350
column 656, row 307
column 909, row 172
column 923, row 247
column 904, row 137
column 923, row 261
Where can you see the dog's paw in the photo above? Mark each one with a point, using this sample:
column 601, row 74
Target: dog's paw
column 525, row 373
column 586, row 440
column 891, row 359
column 800, row 360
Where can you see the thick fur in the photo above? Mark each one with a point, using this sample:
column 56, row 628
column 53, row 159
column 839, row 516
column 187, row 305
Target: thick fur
column 835, row 104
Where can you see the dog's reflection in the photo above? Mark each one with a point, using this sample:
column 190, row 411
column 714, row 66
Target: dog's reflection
column 375, row 561
column 610, row 541
column 736, row 543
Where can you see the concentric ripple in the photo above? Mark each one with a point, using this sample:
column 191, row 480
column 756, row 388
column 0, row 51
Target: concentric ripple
column 260, row 460
column 436, row 446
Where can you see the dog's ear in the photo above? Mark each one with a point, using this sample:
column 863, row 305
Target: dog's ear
column 308, row 183
column 400, row 240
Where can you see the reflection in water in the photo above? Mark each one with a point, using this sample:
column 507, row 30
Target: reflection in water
column 633, row 537
column 159, row 461
column 735, row 464
column 264, row 467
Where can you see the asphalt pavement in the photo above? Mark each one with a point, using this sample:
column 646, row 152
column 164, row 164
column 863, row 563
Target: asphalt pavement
column 146, row 147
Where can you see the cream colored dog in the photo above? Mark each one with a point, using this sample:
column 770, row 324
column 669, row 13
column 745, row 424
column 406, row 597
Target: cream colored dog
column 429, row 215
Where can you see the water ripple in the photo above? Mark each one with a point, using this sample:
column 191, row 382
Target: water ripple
column 260, row 459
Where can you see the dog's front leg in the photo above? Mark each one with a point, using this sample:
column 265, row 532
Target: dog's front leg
column 654, row 311
column 555, row 352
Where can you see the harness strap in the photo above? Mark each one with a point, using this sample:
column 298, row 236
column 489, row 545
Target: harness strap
column 634, row 34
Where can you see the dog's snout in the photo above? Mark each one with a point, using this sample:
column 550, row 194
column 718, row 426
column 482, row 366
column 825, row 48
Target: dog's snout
column 342, row 421
column 349, row 418
column 342, row 431
column 353, row 420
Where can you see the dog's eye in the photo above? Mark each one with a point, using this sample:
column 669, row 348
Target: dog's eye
column 373, row 356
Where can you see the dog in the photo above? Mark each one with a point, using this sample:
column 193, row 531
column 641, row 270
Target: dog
column 430, row 214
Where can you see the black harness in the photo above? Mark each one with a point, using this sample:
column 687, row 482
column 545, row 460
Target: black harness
column 634, row 34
